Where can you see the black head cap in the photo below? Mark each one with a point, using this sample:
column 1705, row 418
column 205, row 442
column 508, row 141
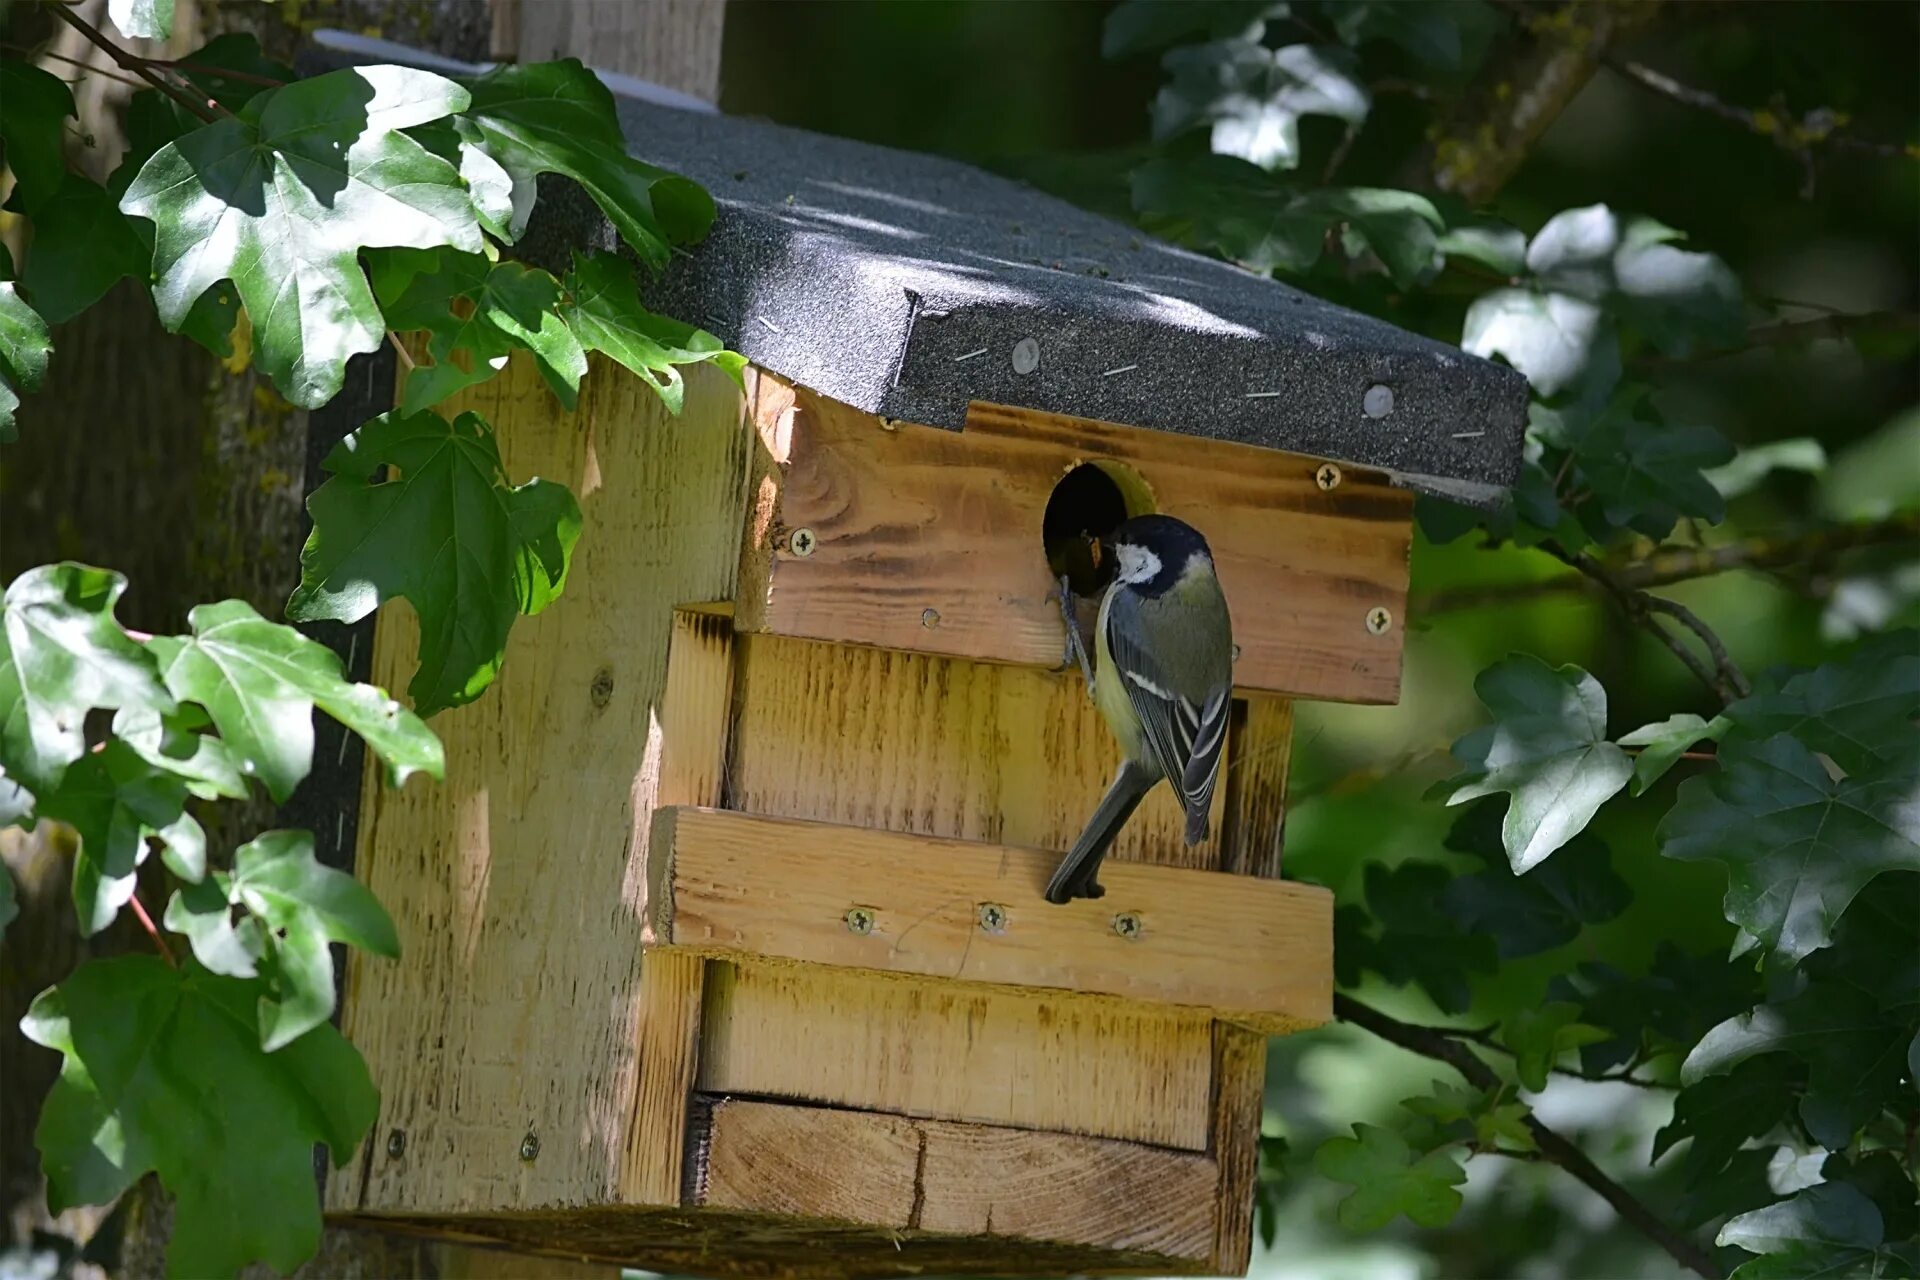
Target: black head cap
column 1172, row 542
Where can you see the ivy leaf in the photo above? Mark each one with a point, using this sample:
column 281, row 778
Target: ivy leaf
column 260, row 682
column 448, row 534
column 1402, row 938
column 1797, row 844
column 1390, row 1178
column 281, row 199
column 1833, row 1215
column 25, row 345
column 1852, row 1049
column 174, row 744
column 1663, row 743
column 1498, row 246
column 1858, row 712
column 1547, row 748
column 1135, row 26
column 62, row 654
column 1253, row 97
column 142, row 19
column 1720, row 1113
column 1546, row 908
column 164, row 1073
column 506, row 305
column 33, row 131
column 303, row 906
column 1645, row 473
column 82, row 246
column 204, row 913
column 603, row 310
column 1560, row 342
column 556, row 117
column 1540, row 1035
column 116, row 801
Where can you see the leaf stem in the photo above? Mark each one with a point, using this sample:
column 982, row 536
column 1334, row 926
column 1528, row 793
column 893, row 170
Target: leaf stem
column 400, row 348
column 1554, row 1148
column 137, row 65
column 159, row 941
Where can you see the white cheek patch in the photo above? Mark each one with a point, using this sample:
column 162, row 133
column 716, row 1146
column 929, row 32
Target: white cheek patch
column 1137, row 564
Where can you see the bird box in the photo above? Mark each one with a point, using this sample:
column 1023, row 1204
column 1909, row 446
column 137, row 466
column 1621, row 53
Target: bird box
column 725, row 949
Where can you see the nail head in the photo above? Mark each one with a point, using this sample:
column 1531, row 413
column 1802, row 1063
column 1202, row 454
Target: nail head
column 1026, row 355
column 929, row 618
column 396, row 1143
column 1378, row 402
column 530, row 1146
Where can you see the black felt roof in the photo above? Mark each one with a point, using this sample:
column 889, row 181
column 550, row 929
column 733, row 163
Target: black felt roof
column 907, row 285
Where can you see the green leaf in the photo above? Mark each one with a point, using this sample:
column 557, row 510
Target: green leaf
column 1858, row 712
column 1832, row 1214
column 448, row 534
column 116, row 801
column 1403, row 939
column 1499, row 247
column 25, row 345
column 282, row 198
column 33, row 131
column 1560, row 342
column 174, row 744
column 1546, row 908
column 62, row 654
column 304, row 906
column 142, row 19
column 1663, row 743
column 506, row 305
column 1539, row 1036
column 82, row 246
column 1449, row 37
column 1472, row 1114
column 164, row 1072
column 1253, row 97
column 1852, row 1049
column 1752, row 465
column 204, row 913
column 260, row 682
column 603, row 310
column 1797, row 844
column 1673, row 296
column 1136, row 26
column 1666, row 1009
column 1547, row 748
column 556, row 117
column 1390, row 1178
column 1228, row 206
column 1720, row 1113
column 1880, row 1176
column 1645, row 473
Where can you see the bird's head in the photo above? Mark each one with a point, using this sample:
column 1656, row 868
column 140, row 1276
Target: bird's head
column 1152, row 553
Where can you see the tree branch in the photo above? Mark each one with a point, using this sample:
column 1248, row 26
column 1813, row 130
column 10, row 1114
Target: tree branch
column 1834, row 326
column 1818, row 127
column 137, row 65
column 1635, row 605
column 1553, row 1147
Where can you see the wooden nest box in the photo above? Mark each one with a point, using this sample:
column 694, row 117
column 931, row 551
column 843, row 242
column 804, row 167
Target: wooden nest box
column 725, row 950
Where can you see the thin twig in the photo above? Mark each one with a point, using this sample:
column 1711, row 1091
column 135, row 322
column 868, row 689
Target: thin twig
column 137, row 65
column 1723, row 663
column 1635, row 605
column 159, row 942
column 81, row 63
column 1834, row 325
column 406, row 357
column 1484, row 1037
column 214, row 73
column 1818, row 127
column 1553, row 1147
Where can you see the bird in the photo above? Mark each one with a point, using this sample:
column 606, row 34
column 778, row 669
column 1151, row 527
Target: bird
column 1164, row 682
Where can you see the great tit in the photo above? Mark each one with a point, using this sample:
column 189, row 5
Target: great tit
column 1164, row 683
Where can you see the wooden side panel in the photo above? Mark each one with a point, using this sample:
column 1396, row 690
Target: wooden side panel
column 1259, row 752
column 958, row 1053
column 1257, row 952
column 928, row 540
column 933, row 1176
column 936, row 746
column 1239, row 1097
column 518, row 885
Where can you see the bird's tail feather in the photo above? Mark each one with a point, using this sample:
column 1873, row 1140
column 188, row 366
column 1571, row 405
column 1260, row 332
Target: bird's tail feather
column 1074, row 878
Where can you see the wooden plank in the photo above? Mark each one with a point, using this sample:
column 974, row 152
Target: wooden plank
column 940, row 1177
column 928, row 540
column 1239, row 1101
column 959, row 1053
column 667, row 1054
column 1256, row 952
column 937, row 746
column 518, row 886
column 1259, row 752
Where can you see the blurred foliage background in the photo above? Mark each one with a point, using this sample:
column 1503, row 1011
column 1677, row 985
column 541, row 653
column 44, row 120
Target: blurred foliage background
column 1023, row 88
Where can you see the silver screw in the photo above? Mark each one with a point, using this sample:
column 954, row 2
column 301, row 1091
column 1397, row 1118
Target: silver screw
column 529, row 1147
column 859, row 920
column 992, row 917
column 396, row 1144
column 801, row 542
column 1127, row 924
column 1379, row 619
column 1327, row 477
column 929, row 618
column 1378, row 402
column 1026, row 356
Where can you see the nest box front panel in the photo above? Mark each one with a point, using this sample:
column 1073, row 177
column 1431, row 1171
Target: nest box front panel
column 867, row 531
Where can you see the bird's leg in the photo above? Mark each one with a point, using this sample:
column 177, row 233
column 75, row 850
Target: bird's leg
column 1075, row 645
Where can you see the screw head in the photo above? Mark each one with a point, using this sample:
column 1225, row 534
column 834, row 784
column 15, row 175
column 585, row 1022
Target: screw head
column 1379, row 620
column 859, row 920
column 1026, row 355
column 530, row 1147
column 396, row 1143
column 802, row 542
column 929, row 618
column 1327, row 477
column 992, row 917
column 1378, row 402
column 1128, row 924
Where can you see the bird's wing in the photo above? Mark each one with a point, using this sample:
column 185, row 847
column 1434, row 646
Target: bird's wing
column 1209, row 740
column 1170, row 721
